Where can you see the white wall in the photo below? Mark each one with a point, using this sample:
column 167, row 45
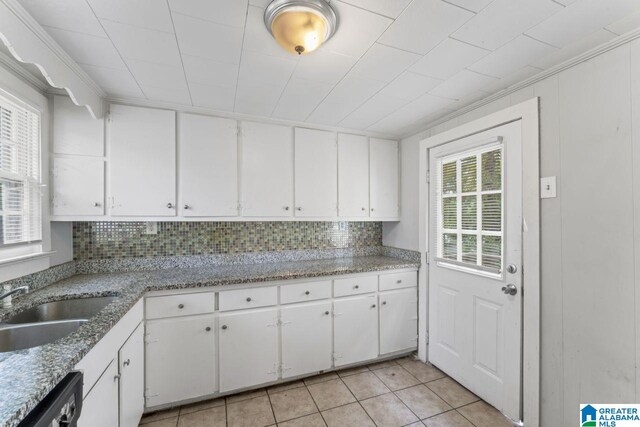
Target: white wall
column 590, row 140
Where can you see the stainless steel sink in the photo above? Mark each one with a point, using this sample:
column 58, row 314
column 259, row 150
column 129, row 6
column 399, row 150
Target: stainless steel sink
column 19, row 337
column 81, row 308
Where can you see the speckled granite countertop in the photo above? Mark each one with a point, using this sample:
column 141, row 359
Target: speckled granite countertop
column 26, row 376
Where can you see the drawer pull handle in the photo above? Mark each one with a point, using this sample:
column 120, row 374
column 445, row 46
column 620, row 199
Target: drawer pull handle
column 208, row 328
column 181, row 306
column 307, row 292
column 398, row 281
column 224, row 326
column 248, row 299
column 356, row 287
column 326, row 313
column 384, row 303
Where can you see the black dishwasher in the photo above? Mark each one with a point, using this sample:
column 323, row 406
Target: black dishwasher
column 61, row 407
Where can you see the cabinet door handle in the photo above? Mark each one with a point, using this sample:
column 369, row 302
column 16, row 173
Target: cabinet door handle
column 208, row 328
column 170, row 205
column 126, row 362
column 326, row 313
column 96, row 204
column 384, row 303
column 356, row 287
column 187, row 207
column 398, row 281
column 224, row 326
column 307, row 292
column 364, row 209
column 298, row 208
column 286, row 208
column 373, row 306
column 248, row 299
column 180, row 306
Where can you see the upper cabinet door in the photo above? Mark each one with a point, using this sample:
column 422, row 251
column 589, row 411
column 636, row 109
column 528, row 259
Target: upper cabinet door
column 383, row 165
column 78, row 185
column 208, row 172
column 266, row 170
column 75, row 131
column 142, row 161
column 316, row 176
column 353, row 175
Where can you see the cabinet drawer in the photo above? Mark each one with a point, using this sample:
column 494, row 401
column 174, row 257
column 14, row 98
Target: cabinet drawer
column 179, row 305
column 309, row 291
column 354, row 286
column 398, row 280
column 248, row 298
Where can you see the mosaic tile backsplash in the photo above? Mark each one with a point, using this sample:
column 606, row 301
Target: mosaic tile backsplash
column 117, row 240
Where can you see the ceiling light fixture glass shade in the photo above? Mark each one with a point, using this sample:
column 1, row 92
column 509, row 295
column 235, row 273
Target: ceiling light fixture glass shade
column 300, row 26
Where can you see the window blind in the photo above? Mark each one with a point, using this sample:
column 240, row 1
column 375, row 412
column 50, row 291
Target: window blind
column 20, row 176
column 470, row 209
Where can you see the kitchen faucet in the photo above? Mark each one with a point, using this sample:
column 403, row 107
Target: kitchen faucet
column 5, row 299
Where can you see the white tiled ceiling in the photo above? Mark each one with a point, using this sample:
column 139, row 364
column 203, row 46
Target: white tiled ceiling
column 392, row 66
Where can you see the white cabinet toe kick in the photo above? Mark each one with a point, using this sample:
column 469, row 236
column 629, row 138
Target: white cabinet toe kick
column 263, row 334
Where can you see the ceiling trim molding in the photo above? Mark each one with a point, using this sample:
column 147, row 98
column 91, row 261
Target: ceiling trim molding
column 138, row 102
column 11, row 64
column 572, row 62
column 28, row 42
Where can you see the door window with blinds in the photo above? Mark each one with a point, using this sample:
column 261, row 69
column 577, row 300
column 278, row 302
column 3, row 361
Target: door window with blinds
column 470, row 209
column 20, row 175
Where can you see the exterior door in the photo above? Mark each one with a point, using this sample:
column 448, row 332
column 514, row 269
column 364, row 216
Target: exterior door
column 306, row 338
column 475, row 264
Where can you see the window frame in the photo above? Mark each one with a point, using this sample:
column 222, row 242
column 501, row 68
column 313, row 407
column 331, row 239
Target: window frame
column 29, row 184
column 487, row 146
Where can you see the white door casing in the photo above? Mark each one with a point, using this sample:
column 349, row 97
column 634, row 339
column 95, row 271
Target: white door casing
column 475, row 329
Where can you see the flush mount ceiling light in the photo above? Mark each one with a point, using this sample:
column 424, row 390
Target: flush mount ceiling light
column 300, row 26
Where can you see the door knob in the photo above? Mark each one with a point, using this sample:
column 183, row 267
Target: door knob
column 511, row 268
column 510, row 289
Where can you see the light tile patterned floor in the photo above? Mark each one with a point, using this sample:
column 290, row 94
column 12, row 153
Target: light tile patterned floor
column 401, row 392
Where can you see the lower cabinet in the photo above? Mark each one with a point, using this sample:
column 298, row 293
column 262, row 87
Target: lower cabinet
column 355, row 329
column 248, row 348
column 306, row 338
column 398, row 320
column 100, row 406
column 131, row 384
column 180, row 359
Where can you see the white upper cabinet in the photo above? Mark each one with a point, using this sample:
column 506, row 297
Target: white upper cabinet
column 316, row 173
column 78, row 185
column 383, row 167
column 266, row 170
column 142, row 161
column 75, row 131
column 208, row 166
column 353, row 175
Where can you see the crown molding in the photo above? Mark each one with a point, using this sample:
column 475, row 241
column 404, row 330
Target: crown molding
column 138, row 102
column 556, row 69
column 29, row 42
